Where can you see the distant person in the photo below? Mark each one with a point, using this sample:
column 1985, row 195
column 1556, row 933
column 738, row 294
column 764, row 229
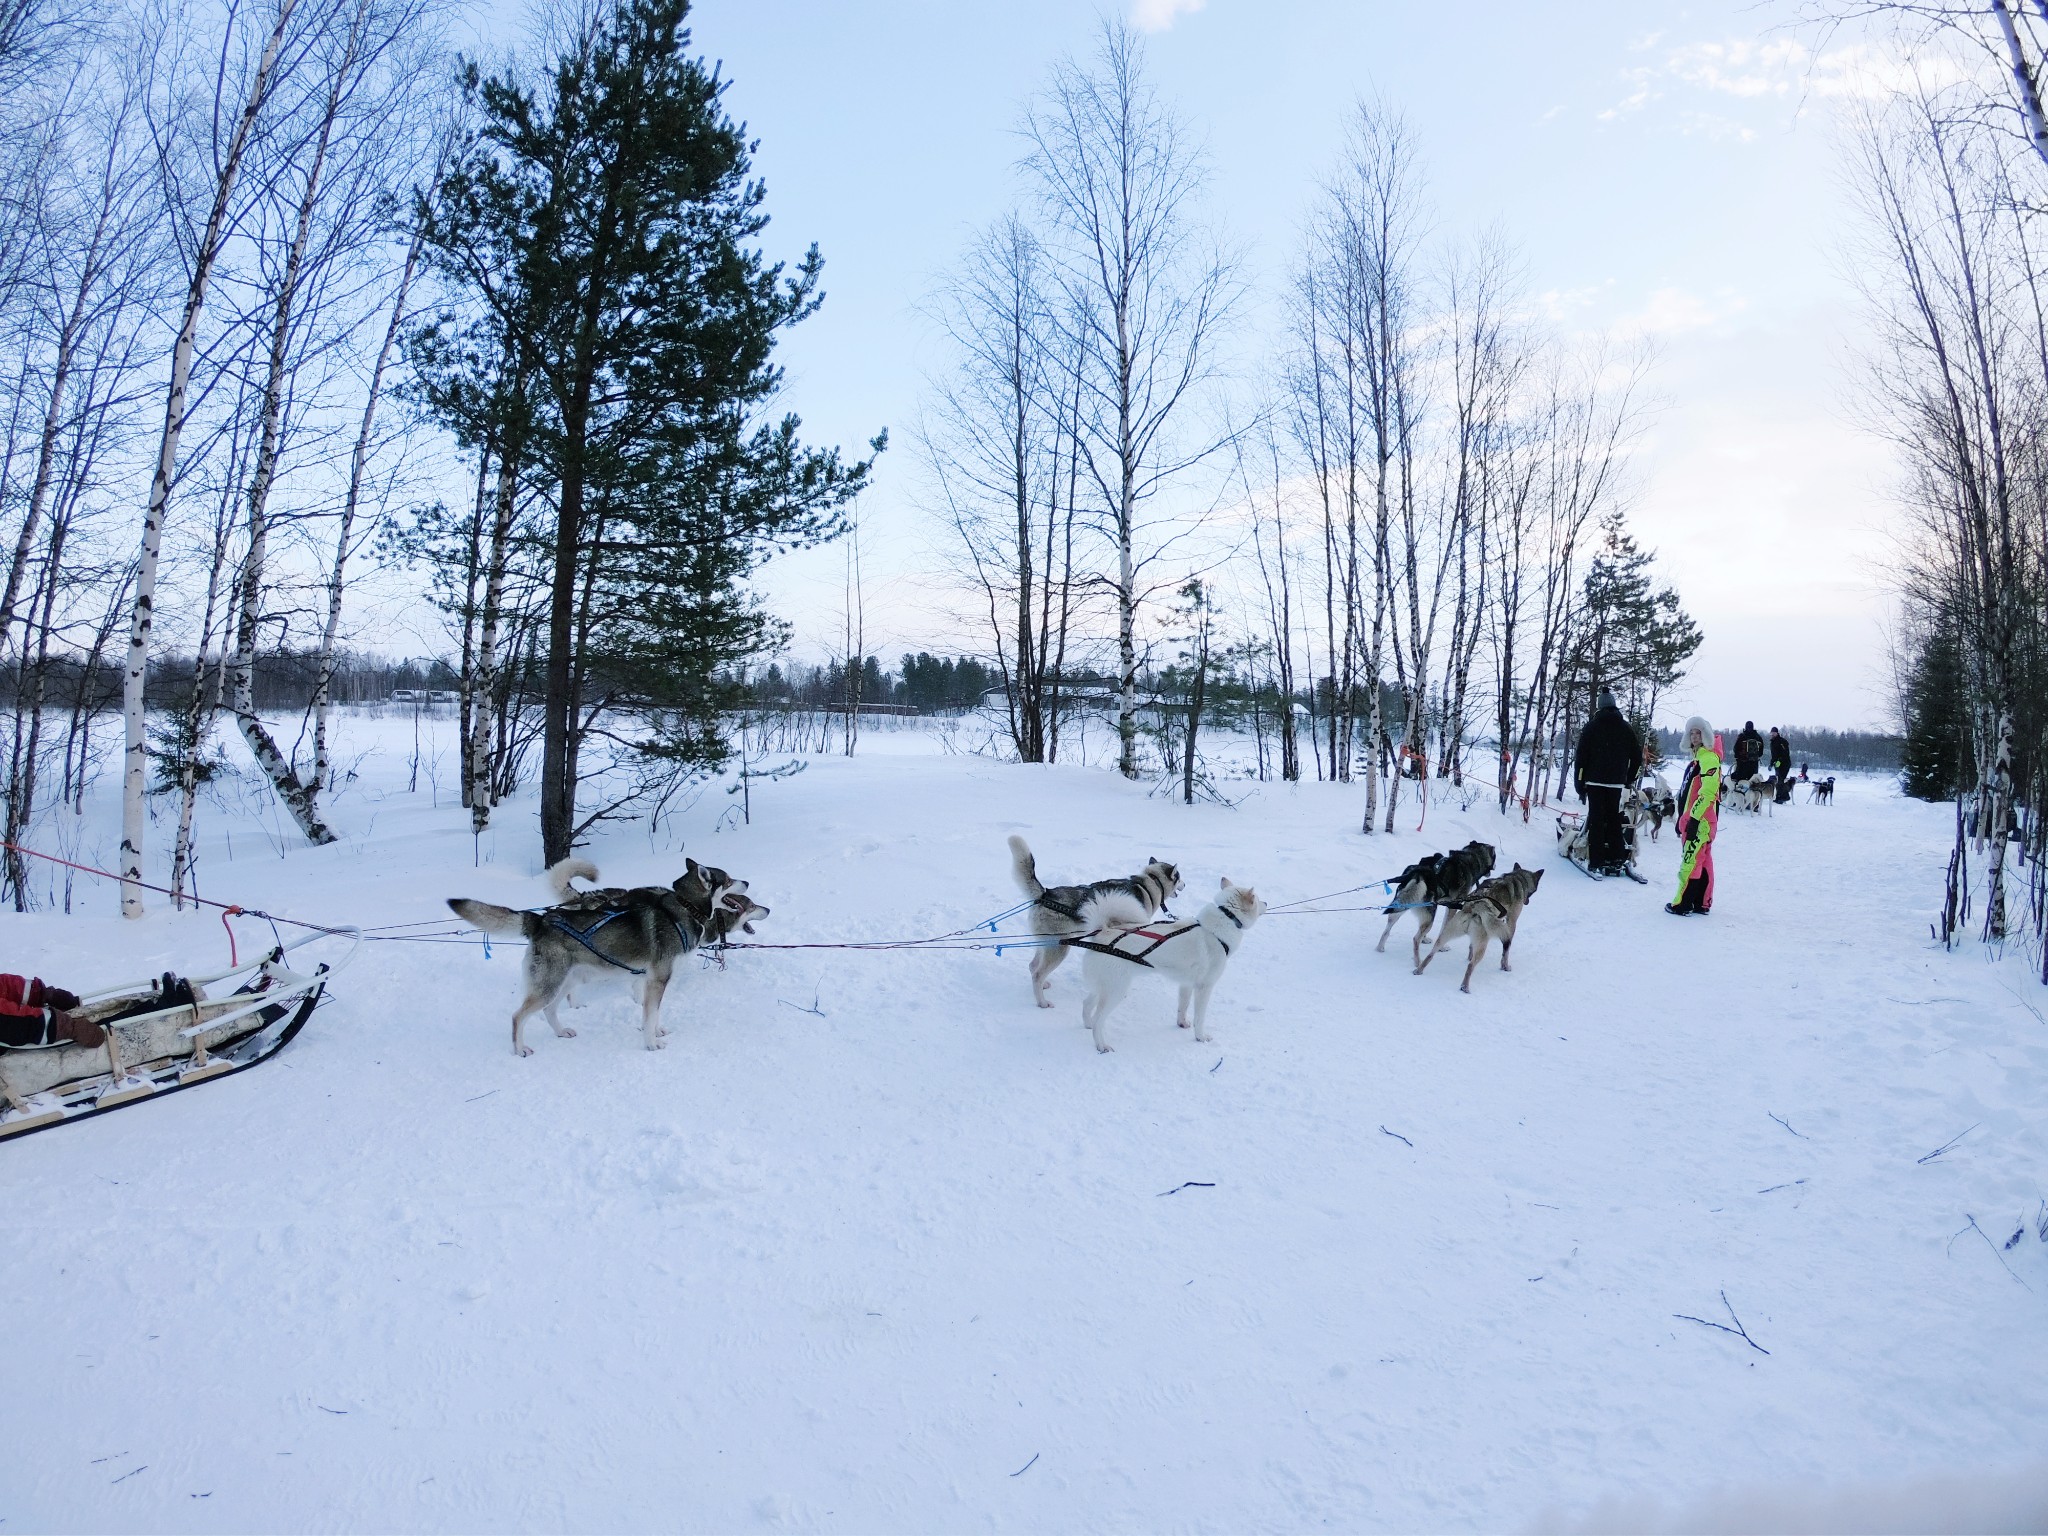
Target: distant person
column 1749, row 753
column 1802, row 774
column 1699, row 815
column 1609, row 758
column 1781, row 765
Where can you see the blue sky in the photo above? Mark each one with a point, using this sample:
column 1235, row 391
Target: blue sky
column 1668, row 169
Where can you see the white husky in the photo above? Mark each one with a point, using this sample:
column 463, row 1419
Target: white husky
column 1192, row 955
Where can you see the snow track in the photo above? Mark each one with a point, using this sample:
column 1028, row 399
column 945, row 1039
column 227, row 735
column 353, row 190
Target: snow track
column 853, row 1270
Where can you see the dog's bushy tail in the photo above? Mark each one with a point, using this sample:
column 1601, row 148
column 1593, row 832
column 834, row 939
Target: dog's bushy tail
column 1025, row 867
column 1115, row 909
column 487, row 915
column 560, row 874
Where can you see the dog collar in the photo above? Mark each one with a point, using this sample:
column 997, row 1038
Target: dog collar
column 1232, row 916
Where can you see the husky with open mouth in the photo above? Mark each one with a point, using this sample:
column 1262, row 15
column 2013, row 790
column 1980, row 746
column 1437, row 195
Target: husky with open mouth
column 640, row 931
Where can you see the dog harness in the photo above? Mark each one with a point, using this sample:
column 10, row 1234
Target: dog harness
column 582, row 935
column 1143, row 956
column 1101, row 887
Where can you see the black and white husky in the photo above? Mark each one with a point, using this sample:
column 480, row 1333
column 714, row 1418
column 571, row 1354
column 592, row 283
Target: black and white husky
column 1191, row 955
column 639, row 931
column 1061, row 911
column 1432, row 880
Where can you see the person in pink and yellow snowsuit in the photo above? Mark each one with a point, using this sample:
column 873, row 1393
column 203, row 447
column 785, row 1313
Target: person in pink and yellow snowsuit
column 1699, row 817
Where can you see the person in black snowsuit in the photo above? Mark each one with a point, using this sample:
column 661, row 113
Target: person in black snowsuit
column 1610, row 758
column 1749, row 753
column 1781, row 765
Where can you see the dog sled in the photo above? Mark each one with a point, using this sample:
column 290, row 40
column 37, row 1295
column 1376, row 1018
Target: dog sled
column 167, row 1034
column 1573, row 840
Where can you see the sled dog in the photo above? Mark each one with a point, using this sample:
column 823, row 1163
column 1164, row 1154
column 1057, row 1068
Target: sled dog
column 1823, row 791
column 1489, row 913
column 1191, row 955
column 1655, row 803
column 1748, row 794
column 1431, row 881
column 1060, row 911
column 641, row 931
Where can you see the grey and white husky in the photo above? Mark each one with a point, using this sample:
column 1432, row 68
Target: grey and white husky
column 1433, row 879
column 1061, row 911
column 1192, row 955
column 1489, row 913
column 640, row 931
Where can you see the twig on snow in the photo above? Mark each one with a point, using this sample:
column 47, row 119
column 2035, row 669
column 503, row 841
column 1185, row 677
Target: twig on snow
column 1398, row 1137
column 814, row 1008
column 340, row 1413
column 1219, row 1062
column 479, row 1096
column 1191, row 1184
column 1738, row 1330
column 1959, row 1135
column 1029, row 1464
column 1776, row 1187
column 1988, row 1243
column 126, row 1475
column 1788, row 1126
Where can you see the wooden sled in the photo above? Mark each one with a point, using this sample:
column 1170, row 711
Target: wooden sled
column 237, row 1019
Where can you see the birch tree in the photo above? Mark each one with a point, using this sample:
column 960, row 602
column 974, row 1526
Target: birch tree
column 244, row 95
column 1149, row 291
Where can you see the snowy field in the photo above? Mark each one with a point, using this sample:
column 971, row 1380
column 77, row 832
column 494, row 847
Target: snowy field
column 915, row 1260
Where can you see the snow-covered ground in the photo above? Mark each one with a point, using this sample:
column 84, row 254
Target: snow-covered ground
column 877, row 1245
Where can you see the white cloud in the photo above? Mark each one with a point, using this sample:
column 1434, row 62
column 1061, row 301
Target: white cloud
column 1774, row 77
column 1670, row 311
column 1158, row 15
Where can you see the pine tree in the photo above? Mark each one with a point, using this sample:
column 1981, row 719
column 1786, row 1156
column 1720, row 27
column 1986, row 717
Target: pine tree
column 599, row 229
column 1935, row 762
column 1634, row 636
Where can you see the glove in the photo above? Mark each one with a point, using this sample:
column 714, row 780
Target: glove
column 57, row 997
column 1685, row 828
column 77, row 1028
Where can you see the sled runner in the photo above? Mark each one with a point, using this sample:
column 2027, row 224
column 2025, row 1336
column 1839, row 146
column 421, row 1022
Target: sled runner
column 164, row 1035
column 1572, row 843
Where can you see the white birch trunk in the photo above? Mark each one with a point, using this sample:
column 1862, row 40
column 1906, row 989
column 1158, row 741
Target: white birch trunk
column 135, row 757
column 300, row 799
column 2023, row 80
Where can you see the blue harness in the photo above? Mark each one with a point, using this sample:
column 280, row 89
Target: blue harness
column 582, row 935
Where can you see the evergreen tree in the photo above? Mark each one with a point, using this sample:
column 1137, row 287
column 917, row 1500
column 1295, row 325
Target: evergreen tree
column 599, row 232
column 1935, row 761
column 1634, row 637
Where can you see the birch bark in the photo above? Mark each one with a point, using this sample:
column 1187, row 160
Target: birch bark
column 135, row 762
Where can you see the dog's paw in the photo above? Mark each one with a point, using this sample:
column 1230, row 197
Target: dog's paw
column 568, row 1034
column 657, row 1044
column 522, row 1050
column 1043, row 1003
column 1104, row 1050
